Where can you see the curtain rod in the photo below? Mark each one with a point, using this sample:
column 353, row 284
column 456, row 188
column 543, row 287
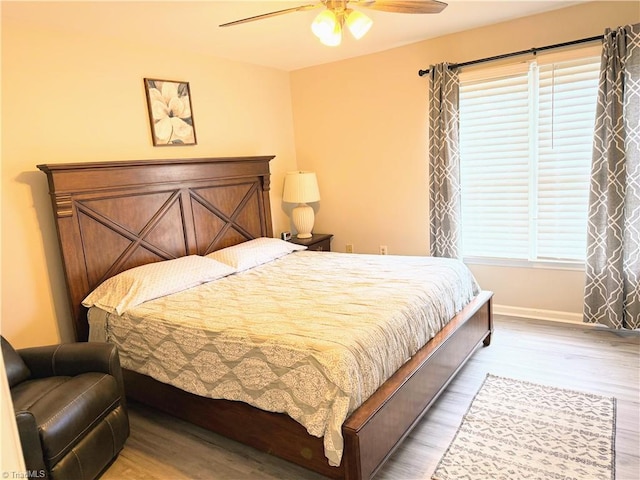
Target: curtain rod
column 521, row 52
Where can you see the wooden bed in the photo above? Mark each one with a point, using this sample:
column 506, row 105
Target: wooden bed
column 112, row 216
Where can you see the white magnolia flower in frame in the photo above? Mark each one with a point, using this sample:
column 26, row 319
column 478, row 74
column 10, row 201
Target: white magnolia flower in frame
column 171, row 112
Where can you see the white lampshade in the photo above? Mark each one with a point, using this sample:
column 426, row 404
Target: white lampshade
column 327, row 27
column 324, row 23
column 334, row 38
column 300, row 188
column 358, row 23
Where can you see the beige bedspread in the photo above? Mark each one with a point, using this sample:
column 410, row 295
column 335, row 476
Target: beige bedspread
column 311, row 334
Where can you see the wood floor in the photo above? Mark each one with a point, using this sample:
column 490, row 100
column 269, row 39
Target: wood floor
column 576, row 357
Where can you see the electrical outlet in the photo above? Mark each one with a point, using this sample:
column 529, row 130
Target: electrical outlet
column 349, row 248
column 383, row 250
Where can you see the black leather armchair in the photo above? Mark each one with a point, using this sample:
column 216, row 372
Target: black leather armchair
column 70, row 407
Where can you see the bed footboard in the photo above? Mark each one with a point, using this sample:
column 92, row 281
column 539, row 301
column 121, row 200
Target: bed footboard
column 371, row 433
column 375, row 430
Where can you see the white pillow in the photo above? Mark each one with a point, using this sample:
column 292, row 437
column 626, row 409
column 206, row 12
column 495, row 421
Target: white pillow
column 254, row 252
column 141, row 284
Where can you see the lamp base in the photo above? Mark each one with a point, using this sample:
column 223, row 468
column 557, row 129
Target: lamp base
column 303, row 219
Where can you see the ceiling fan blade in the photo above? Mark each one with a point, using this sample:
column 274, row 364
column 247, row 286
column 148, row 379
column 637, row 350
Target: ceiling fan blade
column 403, row 6
column 273, row 14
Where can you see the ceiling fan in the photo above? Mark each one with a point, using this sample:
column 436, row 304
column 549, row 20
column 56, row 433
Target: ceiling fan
column 329, row 23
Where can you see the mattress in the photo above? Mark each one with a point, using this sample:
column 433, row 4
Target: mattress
column 311, row 334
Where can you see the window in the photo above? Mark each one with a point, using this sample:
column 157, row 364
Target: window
column 526, row 135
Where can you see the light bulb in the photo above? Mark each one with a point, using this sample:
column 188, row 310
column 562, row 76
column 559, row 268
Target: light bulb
column 358, row 23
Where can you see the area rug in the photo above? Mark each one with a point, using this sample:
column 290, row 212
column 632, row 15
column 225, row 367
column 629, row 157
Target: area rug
column 520, row 430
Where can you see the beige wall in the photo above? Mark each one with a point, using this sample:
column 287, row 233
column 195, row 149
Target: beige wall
column 79, row 99
column 361, row 124
column 11, row 459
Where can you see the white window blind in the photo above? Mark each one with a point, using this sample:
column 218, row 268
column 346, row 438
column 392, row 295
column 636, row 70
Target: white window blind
column 525, row 149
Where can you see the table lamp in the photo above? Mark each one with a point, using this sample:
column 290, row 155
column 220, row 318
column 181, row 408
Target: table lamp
column 301, row 188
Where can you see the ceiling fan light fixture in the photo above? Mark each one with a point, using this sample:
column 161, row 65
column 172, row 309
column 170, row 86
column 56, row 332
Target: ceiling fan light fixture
column 358, row 23
column 328, row 25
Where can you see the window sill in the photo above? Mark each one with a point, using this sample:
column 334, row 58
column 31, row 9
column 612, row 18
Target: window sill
column 512, row 262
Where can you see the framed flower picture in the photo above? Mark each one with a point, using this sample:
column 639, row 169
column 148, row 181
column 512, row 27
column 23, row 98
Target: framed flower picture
column 170, row 114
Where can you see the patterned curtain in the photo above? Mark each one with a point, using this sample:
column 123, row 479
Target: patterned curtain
column 444, row 162
column 612, row 291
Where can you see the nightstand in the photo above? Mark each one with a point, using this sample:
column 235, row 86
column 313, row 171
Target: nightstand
column 319, row 242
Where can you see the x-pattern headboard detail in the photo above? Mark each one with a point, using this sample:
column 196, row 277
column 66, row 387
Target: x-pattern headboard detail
column 112, row 216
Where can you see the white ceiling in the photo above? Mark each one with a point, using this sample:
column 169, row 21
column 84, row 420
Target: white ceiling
column 284, row 42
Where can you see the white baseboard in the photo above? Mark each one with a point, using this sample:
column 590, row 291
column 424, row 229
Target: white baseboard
column 538, row 314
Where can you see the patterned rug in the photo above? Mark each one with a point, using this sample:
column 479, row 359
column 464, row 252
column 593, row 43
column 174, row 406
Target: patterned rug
column 521, row 430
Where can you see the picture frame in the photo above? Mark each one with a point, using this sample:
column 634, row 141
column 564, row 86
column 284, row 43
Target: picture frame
column 170, row 112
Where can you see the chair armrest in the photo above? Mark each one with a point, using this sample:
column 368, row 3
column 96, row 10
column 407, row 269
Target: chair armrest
column 70, row 359
column 30, row 442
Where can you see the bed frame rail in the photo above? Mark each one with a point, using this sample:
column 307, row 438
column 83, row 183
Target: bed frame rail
column 388, row 416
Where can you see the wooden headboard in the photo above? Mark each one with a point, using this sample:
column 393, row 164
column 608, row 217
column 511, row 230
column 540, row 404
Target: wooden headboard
column 112, row 216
